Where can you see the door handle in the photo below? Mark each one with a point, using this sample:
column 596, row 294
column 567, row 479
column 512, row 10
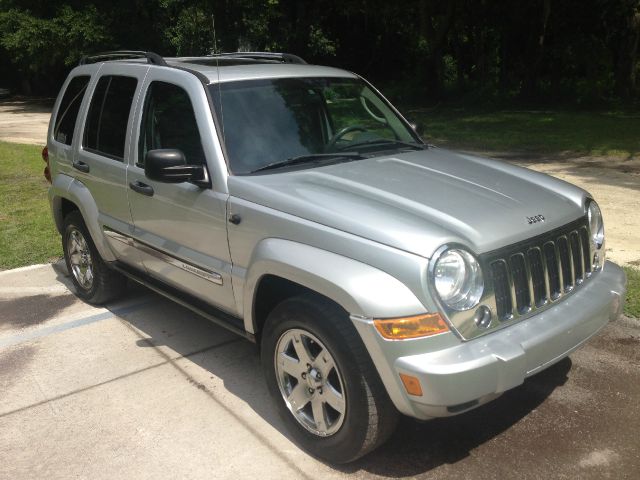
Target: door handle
column 83, row 167
column 142, row 188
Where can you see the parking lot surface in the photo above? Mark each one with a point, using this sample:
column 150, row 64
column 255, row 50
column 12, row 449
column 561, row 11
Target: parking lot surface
column 25, row 120
column 145, row 389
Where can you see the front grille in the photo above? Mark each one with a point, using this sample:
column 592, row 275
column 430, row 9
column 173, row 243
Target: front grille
column 529, row 275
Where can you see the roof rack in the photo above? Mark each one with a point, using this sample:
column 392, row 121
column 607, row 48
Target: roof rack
column 155, row 59
column 151, row 57
column 261, row 57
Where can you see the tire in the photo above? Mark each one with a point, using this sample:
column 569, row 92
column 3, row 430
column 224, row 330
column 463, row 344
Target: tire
column 95, row 282
column 307, row 330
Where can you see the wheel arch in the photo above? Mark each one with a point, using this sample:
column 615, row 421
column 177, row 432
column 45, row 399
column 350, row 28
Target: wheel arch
column 273, row 290
column 282, row 268
column 68, row 194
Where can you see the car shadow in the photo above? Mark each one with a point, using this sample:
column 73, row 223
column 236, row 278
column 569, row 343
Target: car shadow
column 22, row 312
column 415, row 448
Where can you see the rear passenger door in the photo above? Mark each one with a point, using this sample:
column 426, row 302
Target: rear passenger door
column 102, row 159
column 180, row 228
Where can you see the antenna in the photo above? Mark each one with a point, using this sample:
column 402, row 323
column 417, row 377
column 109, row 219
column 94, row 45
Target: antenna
column 215, row 41
column 215, row 50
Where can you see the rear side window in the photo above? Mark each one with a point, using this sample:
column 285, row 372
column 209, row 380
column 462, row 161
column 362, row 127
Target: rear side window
column 106, row 127
column 69, row 108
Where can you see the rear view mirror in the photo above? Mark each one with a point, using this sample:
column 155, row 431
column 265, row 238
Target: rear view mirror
column 170, row 166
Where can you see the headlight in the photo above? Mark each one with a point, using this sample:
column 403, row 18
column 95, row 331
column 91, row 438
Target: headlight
column 596, row 225
column 458, row 279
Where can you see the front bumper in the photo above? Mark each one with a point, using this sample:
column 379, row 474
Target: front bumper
column 456, row 376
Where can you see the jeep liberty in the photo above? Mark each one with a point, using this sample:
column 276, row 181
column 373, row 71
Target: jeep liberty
column 294, row 205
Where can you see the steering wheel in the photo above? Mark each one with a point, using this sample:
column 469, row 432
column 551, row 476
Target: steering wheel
column 342, row 132
column 365, row 103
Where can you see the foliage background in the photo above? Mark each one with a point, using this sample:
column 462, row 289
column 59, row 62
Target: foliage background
column 573, row 52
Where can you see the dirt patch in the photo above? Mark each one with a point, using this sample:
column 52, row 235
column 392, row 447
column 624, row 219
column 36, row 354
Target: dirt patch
column 13, row 362
column 599, row 458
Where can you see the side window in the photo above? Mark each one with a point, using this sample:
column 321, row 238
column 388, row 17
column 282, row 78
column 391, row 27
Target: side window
column 106, row 128
column 69, row 108
column 168, row 121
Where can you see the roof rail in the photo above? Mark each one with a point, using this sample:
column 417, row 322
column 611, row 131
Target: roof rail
column 261, row 56
column 151, row 57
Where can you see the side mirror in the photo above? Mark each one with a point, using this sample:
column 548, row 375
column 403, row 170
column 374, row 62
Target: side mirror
column 417, row 128
column 170, row 166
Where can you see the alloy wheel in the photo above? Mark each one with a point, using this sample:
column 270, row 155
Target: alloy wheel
column 310, row 382
column 80, row 259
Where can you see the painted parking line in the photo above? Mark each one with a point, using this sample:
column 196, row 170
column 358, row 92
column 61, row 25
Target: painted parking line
column 28, row 268
column 46, row 331
column 31, row 291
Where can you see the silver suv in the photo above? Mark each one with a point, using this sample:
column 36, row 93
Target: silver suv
column 294, row 205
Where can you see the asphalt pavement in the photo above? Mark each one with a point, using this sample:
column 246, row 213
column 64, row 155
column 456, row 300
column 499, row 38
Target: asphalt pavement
column 146, row 389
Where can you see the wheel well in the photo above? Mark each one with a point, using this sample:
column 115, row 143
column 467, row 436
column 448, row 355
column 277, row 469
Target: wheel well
column 66, row 207
column 273, row 290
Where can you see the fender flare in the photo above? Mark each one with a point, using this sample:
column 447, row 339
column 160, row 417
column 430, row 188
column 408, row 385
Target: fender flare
column 76, row 192
column 359, row 288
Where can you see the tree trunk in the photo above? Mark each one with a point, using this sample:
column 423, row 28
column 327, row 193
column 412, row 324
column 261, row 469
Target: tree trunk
column 25, row 86
column 435, row 28
column 531, row 82
column 625, row 75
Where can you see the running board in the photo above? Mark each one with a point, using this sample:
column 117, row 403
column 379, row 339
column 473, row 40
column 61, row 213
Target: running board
column 223, row 319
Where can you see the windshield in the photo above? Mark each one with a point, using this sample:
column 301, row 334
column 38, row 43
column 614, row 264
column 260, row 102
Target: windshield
column 265, row 122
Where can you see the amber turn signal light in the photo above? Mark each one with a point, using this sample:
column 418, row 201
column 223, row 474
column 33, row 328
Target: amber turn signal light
column 411, row 327
column 411, row 385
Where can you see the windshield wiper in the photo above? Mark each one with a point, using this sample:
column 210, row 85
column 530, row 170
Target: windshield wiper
column 380, row 141
column 307, row 158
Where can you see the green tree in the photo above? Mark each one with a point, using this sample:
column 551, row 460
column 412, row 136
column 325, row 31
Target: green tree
column 39, row 45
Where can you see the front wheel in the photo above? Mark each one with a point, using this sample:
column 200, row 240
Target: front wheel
column 322, row 379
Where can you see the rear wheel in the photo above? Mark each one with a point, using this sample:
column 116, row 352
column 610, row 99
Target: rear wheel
column 322, row 379
column 95, row 282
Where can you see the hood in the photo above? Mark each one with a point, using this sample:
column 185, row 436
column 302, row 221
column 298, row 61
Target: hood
column 421, row 200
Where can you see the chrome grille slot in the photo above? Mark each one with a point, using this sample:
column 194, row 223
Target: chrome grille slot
column 576, row 253
column 520, row 283
column 562, row 245
column 552, row 269
column 586, row 254
column 537, row 276
column 502, row 290
column 530, row 275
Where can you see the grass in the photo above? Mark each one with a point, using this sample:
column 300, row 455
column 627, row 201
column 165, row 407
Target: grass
column 632, row 304
column 538, row 132
column 27, row 231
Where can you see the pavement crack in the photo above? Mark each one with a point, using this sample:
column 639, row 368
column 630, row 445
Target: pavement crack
column 169, row 360
column 260, row 437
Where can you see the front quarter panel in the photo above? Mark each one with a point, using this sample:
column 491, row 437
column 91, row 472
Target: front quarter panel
column 359, row 288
